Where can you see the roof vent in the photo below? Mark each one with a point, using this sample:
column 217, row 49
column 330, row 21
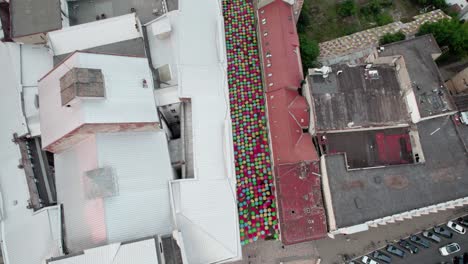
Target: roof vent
column 100, row 183
column 81, row 83
column 374, row 75
column 324, row 71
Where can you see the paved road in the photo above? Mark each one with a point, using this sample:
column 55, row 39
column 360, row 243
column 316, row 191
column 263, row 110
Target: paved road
column 331, row 251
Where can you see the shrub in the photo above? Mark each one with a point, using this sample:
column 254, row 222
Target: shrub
column 389, row 38
column 383, row 19
column 347, row 8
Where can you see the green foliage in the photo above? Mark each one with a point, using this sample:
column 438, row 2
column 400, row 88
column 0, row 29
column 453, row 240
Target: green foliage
column 437, row 3
column 304, row 18
column 390, row 38
column 372, row 8
column 347, row 8
column 383, row 19
column 309, row 51
column 449, row 32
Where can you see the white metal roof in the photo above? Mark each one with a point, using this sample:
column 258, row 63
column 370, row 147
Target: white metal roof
column 205, row 207
column 127, row 101
column 140, row 161
column 141, row 252
column 35, row 61
column 94, row 34
column 207, row 217
column 41, row 227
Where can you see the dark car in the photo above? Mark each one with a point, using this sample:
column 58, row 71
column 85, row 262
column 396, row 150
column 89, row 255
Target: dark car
column 378, row 255
column 431, row 236
column 408, row 246
column 395, row 251
column 463, row 221
column 443, row 232
column 420, row 241
column 465, row 258
column 456, row 260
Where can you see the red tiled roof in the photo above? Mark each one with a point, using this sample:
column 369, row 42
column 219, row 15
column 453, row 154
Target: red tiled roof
column 280, row 46
column 287, row 112
column 296, row 162
column 300, row 202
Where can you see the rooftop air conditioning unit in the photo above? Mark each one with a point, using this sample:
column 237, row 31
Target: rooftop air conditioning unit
column 165, row 73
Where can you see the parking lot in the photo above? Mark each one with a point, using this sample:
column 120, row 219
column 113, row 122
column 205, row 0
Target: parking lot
column 430, row 255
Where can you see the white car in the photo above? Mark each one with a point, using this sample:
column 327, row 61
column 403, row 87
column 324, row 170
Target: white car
column 456, row 227
column 449, row 249
column 464, row 117
column 367, row 260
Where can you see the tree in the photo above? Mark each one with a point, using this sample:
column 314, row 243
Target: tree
column 309, row 51
column 449, row 32
column 437, row 3
column 390, row 38
column 347, row 8
column 304, row 18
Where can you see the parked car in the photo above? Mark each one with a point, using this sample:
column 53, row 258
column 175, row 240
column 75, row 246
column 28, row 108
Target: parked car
column 395, row 251
column 431, row 236
column 367, row 260
column 440, row 230
column 463, row 221
column 456, row 227
column 420, row 241
column 460, row 259
column 449, row 249
column 381, row 256
column 408, row 246
column 464, row 117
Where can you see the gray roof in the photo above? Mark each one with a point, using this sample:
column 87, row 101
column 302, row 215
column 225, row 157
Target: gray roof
column 84, row 11
column 34, row 16
column 353, row 97
column 363, row 195
column 131, row 47
column 428, row 85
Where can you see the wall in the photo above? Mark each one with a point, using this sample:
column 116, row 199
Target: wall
column 402, row 216
column 459, row 83
column 39, row 38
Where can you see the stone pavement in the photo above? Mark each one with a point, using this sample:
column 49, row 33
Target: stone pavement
column 370, row 37
column 331, row 251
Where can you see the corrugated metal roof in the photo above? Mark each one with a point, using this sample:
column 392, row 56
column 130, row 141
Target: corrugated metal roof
column 141, row 252
column 123, row 81
column 94, row 34
column 206, row 206
column 141, row 208
column 207, row 217
column 16, row 218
